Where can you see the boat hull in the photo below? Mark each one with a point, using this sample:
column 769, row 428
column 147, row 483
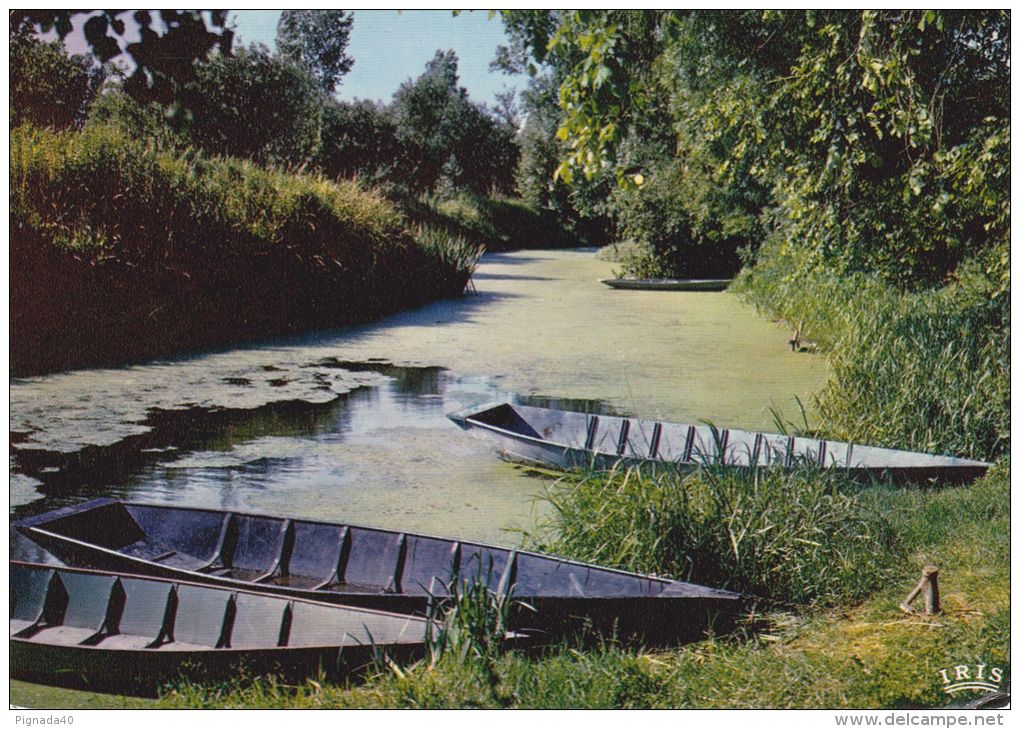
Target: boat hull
column 106, row 631
column 566, row 440
column 668, row 284
column 140, row 673
column 377, row 569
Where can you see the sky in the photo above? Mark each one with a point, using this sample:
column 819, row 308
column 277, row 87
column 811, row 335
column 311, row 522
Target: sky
column 390, row 47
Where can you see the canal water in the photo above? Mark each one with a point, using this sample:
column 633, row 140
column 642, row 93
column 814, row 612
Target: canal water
column 351, row 424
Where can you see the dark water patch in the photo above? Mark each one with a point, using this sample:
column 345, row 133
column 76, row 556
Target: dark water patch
column 263, row 466
column 407, row 380
column 108, row 470
column 19, row 437
column 591, row 407
column 242, row 381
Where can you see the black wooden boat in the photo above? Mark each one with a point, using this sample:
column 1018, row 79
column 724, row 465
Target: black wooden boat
column 374, row 568
column 125, row 633
column 668, row 284
column 565, row 439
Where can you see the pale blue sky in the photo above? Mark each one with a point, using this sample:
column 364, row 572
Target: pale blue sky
column 389, row 47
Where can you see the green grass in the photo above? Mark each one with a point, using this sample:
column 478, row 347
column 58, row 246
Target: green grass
column 864, row 653
column 37, row 696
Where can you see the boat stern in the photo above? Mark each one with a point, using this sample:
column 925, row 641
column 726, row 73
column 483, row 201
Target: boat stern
column 461, row 417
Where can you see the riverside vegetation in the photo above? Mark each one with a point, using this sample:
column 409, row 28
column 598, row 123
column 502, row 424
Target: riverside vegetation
column 855, row 165
column 139, row 229
column 124, row 251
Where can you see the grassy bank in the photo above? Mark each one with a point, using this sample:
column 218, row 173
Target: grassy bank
column 122, row 251
column 859, row 653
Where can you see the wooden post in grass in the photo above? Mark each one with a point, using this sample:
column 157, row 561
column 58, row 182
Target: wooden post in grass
column 929, row 585
column 931, row 590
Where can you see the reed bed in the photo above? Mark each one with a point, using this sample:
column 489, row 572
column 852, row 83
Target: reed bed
column 925, row 371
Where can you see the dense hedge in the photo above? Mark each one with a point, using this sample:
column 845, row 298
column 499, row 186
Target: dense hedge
column 503, row 223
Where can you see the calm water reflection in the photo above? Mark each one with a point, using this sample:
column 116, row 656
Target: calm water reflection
column 384, row 454
column 323, row 426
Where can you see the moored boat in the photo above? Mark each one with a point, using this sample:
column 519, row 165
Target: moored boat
column 375, row 568
column 565, row 439
column 668, row 284
column 116, row 632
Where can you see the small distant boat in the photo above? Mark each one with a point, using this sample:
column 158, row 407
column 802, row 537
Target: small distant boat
column 117, row 632
column 565, row 439
column 373, row 568
column 668, row 284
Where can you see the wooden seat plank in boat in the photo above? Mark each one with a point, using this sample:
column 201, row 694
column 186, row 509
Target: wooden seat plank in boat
column 128, row 633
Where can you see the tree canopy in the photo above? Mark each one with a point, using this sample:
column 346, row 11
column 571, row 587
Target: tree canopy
column 171, row 42
column 48, row 88
column 445, row 135
column 317, row 40
column 877, row 139
column 257, row 105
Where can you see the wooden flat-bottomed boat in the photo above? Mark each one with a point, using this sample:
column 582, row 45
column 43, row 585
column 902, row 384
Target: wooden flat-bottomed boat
column 565, row 439
column 116, row 632
column 668, row 284
column 374, row 568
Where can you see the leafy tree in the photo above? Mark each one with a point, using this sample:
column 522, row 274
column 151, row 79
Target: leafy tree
column 255, row 105
column 877, row 104
column 846, row 132
column 540, row 149
column 507, row 110
column 48, row 87
column 529, row 32
column 424, row 110
column 161, row 61
column 485, row 155
column 359, row 139
column 317, row 39
column 150, row 121
column 443, row 135
column 540, row 156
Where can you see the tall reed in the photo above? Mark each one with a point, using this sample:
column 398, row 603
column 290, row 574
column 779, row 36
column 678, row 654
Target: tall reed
column 925, row 371
column 803, row 536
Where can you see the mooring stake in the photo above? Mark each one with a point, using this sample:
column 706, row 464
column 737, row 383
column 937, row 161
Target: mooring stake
column 929, row 585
